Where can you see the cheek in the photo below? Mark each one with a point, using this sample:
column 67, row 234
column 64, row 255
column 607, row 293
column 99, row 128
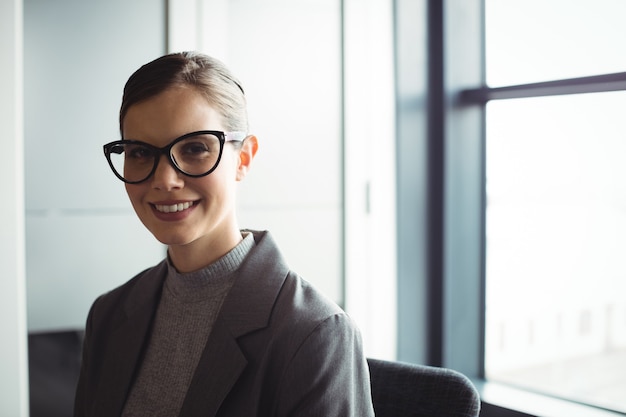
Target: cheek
column 230, row 158
column 211, row 185
column 225, row 174
column 133, row 192
column 217, row 186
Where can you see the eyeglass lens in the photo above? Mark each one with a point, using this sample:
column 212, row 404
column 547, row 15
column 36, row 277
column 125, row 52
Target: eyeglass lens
column 195, row 155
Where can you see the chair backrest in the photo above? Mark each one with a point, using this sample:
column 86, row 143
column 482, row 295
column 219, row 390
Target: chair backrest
column 408, row 390
column 53, row 367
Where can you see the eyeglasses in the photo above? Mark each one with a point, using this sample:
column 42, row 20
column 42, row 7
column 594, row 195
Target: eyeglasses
column 195, row 154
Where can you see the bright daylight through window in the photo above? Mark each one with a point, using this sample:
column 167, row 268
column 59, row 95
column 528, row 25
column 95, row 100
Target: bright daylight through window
column 556, row 203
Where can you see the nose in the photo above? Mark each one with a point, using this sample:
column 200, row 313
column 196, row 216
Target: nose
column 166, row 177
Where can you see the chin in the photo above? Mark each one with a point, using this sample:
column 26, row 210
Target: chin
column 170, row 240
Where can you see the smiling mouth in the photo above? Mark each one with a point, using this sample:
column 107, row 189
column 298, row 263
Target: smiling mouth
column 173, row 208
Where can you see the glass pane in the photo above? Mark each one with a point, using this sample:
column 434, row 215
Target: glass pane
column 556, row 238
column 537, row 40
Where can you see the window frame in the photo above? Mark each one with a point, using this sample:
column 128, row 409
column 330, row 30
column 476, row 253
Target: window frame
column 441, row 194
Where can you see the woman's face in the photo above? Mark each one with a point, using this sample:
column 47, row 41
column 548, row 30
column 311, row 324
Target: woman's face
column 177, row 209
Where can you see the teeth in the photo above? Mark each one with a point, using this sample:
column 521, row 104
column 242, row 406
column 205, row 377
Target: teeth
column 174, row 207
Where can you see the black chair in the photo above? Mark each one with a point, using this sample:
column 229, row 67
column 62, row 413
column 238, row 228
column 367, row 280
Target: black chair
column 54, row 365
column 398, row 389
column 408, row 390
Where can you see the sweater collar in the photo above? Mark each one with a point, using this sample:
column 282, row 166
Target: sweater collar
column 200, row 284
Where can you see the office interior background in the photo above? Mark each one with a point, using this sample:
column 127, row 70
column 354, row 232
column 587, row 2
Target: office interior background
column 450, row 172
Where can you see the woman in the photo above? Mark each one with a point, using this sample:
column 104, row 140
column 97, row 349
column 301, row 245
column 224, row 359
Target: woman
column 221, row 327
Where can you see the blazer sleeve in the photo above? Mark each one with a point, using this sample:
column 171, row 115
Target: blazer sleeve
column 328, row 374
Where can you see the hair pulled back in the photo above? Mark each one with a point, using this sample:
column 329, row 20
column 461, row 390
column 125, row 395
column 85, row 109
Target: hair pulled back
column 207, row 75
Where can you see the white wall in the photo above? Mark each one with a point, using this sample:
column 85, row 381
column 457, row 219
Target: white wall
column 67, row 218
column 82, row 236
column 322, row 181
column 287, row 55
column 319, row 81
column 13, row 351
column 370, row 166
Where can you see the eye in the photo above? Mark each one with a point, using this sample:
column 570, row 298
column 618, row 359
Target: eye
column 195, row 148
column 117, row 149
column 138, row 152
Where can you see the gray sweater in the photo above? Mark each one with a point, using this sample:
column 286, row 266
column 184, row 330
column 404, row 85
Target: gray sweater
column 188, row 308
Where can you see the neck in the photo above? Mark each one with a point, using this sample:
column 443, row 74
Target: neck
column 203, row 252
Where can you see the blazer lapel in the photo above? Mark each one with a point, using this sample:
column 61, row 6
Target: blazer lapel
column 259, row 278
column 126, row 343
column 219, row 368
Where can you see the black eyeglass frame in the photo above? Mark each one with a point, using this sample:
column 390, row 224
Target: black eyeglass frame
column 223, row 137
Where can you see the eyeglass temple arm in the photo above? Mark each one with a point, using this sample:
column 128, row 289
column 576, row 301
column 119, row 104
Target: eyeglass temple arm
column 235, row 136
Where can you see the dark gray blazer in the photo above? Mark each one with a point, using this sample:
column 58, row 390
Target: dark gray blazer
column 277, row 348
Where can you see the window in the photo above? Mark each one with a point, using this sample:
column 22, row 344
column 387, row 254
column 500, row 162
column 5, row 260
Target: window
column 556, row 198
column 509, row 198
column 555, row 236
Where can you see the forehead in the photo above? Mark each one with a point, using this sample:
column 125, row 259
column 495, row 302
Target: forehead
column 170, row 114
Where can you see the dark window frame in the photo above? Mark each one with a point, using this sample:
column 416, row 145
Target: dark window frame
column 441, row 96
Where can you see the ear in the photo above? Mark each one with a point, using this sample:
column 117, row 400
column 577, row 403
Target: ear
column 246, row 154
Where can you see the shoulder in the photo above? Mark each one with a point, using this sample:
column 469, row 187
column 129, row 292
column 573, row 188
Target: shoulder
column 143, row 286
column 321, row 355
column 305, row 299
column 303, row 311
column 296, row 305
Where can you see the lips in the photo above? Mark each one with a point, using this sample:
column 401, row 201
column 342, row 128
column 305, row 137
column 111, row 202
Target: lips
column 173, row 208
